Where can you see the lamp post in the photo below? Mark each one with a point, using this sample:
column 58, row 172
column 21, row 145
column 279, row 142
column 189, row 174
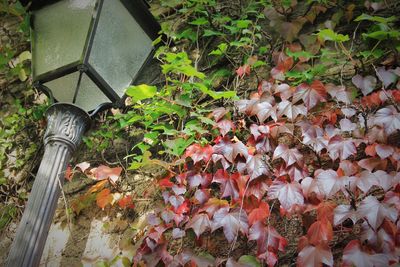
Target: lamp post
column 84, row 54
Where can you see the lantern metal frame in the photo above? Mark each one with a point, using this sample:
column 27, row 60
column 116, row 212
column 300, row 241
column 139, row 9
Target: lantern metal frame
column 139, row 11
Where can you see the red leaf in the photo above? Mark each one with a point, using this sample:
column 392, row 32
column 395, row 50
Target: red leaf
column 344, row 212
column 232, row 222
column 384, row 151
column 68, row 173
column 388, row 118
column 103, row 198
column 228, row 185
column 353, row 255
column 315, row 256
column 329, row 182
column 387, row 77
column 126, row 202
column 198, row 153
column 340, row 93
column 291, row 111
column 264, row 110
column 375, row 211
column 104, row 172
column 243, row 70
column 289, row 194
column 199, row 223
column 214, row 204
column 267, row 238
column 365, row 84
column 341, row 148
column 219, row 113
column 289, row 155
column 225, row 126
column 325, row 210
column 259, row 214
column 256, row 166
column 320, row 232
column 311, row 94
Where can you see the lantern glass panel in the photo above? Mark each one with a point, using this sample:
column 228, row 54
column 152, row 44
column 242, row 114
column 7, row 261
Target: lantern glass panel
column 120, row 46
column 63, row 88
column 54, row 25
column 89, row 95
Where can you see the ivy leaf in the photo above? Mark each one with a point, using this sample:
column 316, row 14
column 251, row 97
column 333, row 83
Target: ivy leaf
column 243, row 70
column 329, row 35
column 288, row 194
column 353, row 255
column 83, row 166
column 329, row 182
column 256, row 166
column 311, row 94
column 177, row 146
column 199, row 223
column 267, row 238
column 340, row 93
column 104, row 198
column 384, row 151
column 219, row 113
column 263, row 110
column 389, row 118
column 141, row 92
column 387, row 77
column 104, row 172
column 232, row 222
column 375, row 211
column 315, row 256
column 344, row 212
column 320, row 232
column 289, row 155
column 197, row 153
column 341, row 148
column 259, row 214
column 284, row 91
column 228, row 185
column 214, row 204
column 225, row 126
column 365, row 84
column 291, row 111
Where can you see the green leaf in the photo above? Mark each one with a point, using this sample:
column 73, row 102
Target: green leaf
column 377, row 53
column 329, row 35
column 199, row 21
column 243, row 24
column 375, row 18
column 300, row 54
column 177, row 146
column 216, row 95
column 211, row 33
column 249, row 260
column 141, row 92
column 382, row 35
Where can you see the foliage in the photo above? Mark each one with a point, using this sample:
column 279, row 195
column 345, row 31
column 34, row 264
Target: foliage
column 298, row 146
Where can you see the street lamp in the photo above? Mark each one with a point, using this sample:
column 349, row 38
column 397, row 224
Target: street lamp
column 84, row 55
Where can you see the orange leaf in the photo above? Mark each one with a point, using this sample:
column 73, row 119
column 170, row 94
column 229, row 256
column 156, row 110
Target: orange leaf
column 103, row 198
column 97, row 187
column 370, row 150
column 259, row 214
column 68, row 173
column 320, row 232
column 126, row 202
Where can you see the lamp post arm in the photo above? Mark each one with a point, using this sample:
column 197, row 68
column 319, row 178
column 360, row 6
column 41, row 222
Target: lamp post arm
column 66, row 125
